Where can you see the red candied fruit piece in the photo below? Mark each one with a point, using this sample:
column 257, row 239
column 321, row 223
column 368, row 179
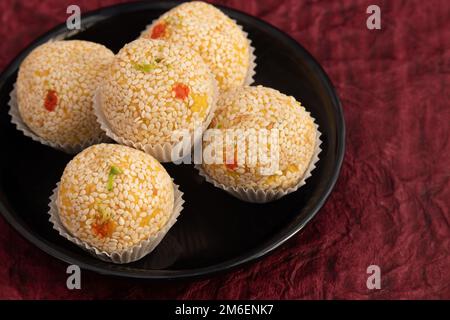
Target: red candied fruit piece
column 51, row 100
column 104, row 229
column 231, row 166
column 234, row 164
column 158, row 30
column 181, row 91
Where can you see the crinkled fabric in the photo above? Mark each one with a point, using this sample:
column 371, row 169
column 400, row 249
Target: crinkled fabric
column 390, row 204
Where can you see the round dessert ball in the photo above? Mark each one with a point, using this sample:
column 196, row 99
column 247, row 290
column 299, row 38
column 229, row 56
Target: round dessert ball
column 218, row 39
column 55, row 86
column 113, row 197
column 154, row 88
column 249, row 112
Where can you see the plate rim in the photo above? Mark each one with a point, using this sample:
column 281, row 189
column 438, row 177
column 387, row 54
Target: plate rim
column 252, row 255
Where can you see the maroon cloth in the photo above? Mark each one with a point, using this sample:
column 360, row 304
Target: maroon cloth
column 390, row 205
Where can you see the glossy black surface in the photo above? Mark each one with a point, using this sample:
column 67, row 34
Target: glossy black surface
column 215, row 231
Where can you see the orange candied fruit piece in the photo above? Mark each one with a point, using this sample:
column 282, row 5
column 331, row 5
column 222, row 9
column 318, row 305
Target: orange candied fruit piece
column 181, row 91
column 158, row 30
column 105, row 229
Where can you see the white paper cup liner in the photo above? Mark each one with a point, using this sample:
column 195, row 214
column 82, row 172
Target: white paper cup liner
column 161, row 152
column 251, row 71
column 264, row 196
column 132, row 254
column 17, row 120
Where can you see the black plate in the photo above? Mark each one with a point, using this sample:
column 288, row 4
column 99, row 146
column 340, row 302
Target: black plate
column 215, row 232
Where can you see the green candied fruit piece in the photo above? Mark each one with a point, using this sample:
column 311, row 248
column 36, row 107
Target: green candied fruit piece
column 115, row 170
column 112, row 173
column 144, row 67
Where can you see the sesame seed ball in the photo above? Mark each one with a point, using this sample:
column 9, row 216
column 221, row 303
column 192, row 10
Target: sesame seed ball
column 55, row 86
column 154, row 88
column 113, row 197
column 257, row 108
column 217, row 38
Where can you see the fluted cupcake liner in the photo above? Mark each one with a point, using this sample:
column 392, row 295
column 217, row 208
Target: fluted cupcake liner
column 17, row 120
column 132, row 254
column 263, row 196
